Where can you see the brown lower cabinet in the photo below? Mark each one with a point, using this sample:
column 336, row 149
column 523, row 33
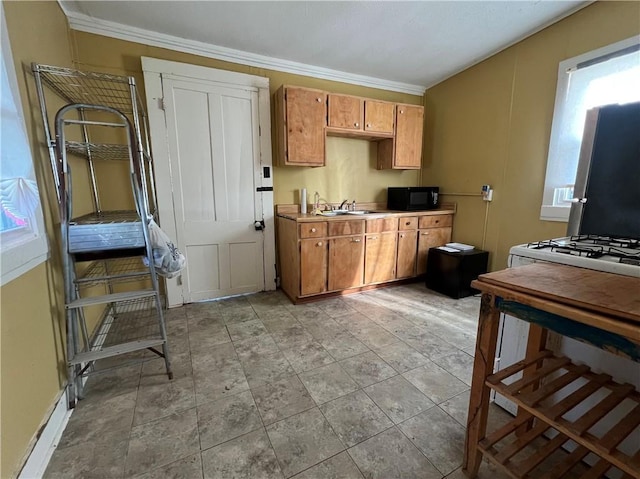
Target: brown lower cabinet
column 313, row 266
column 430, row 238
column 407, row 253
column 380, row 257
column 325, row 256
column 346, row 262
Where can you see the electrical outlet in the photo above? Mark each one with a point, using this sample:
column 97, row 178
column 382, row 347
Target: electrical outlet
column 487, row 193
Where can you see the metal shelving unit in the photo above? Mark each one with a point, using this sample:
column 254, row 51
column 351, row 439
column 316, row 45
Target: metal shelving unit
column 103, row 247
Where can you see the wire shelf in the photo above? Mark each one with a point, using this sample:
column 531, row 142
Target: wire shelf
column 90, row 87
column 129, row 321
column 99, row 151
column 119, row 270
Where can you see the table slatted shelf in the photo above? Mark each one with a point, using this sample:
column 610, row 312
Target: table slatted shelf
column 543, row 409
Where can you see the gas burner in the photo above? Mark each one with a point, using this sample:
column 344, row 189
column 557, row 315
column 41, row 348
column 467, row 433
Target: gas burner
column 624, row 257
column 607, row 241
column 543, row 244
column 632, row 260
column 579, row 250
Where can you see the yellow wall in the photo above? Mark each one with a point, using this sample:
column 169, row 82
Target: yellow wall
column 491, row 125
column 350, row 171
column 32, row 364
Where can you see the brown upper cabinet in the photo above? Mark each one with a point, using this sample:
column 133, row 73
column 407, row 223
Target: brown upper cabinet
column 359, row 117
column 301, row 117
column 345, row 112
column 304, row 117
column 379, row 116
column 405, row 150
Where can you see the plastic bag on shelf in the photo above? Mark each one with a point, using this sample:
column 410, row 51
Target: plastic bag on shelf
column 167, row 259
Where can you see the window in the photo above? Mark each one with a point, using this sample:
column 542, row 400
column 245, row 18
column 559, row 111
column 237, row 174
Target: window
column 601, row 77
column 23, row 242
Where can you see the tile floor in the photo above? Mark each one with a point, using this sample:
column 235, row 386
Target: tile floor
column 372, row 385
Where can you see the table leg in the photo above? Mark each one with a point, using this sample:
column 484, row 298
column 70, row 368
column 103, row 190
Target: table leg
column 482, row 367
column 536, row 342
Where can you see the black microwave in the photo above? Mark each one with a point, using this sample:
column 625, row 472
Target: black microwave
column 412, row 198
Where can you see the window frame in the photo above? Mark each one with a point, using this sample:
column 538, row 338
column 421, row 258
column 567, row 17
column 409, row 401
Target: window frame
column 23, row 248
column 549, row 211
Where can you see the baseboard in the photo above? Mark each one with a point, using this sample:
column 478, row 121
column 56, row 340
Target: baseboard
column 47, row 441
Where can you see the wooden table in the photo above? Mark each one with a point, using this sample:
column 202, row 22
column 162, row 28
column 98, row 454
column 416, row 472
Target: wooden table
column 599, row 308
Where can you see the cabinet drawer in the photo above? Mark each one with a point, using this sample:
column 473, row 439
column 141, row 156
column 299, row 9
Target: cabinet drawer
column 313, row 230
column 436, row 221
column 408, row 223
column 380, row 225
column 343, row 228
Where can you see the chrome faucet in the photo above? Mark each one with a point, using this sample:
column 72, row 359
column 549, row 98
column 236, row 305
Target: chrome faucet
column 342, row 204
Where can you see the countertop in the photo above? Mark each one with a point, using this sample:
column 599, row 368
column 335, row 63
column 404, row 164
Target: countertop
column 603, row 293
column 301, row 218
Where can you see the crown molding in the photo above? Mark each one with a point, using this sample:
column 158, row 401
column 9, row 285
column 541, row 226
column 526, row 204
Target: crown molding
column 85, row 23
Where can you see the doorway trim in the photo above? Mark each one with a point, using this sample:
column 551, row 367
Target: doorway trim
column 153, row 70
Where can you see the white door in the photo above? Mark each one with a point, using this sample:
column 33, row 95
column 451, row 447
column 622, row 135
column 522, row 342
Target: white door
column 213, row 145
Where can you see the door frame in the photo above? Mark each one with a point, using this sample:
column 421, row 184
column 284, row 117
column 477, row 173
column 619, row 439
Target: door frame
column 153, row 70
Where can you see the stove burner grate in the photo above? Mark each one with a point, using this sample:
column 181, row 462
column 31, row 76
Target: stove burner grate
column 607, row 241
column 576, row 250
column 624, row 256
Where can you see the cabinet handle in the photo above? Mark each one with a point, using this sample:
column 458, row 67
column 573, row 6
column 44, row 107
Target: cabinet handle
column 313, row 230
column 319, row 243
column 402, row 235
column 401, row 112
column 373, row 237
column 368, row 125
column 356, row 125
column 408, row 223
column 437, row 221
column 425, row 233
column 355, row 240
column 319, row 100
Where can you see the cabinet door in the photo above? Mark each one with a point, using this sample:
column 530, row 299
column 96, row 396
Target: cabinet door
column 306, row 112
column 379, row 116
column 430, row 239
column 380, row 258
column 407, row 252
column 346, row 262
column 408, row 147
column 346, row 112
column 313, row 266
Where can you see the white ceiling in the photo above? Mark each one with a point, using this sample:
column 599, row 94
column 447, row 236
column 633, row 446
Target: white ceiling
column 407, row 45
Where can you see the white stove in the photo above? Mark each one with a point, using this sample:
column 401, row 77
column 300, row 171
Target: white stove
column 600, row 253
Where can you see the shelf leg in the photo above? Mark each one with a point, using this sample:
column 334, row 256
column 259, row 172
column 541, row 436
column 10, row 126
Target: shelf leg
column 482, row 367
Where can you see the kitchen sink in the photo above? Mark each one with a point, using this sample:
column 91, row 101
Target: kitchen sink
column 348, row 212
